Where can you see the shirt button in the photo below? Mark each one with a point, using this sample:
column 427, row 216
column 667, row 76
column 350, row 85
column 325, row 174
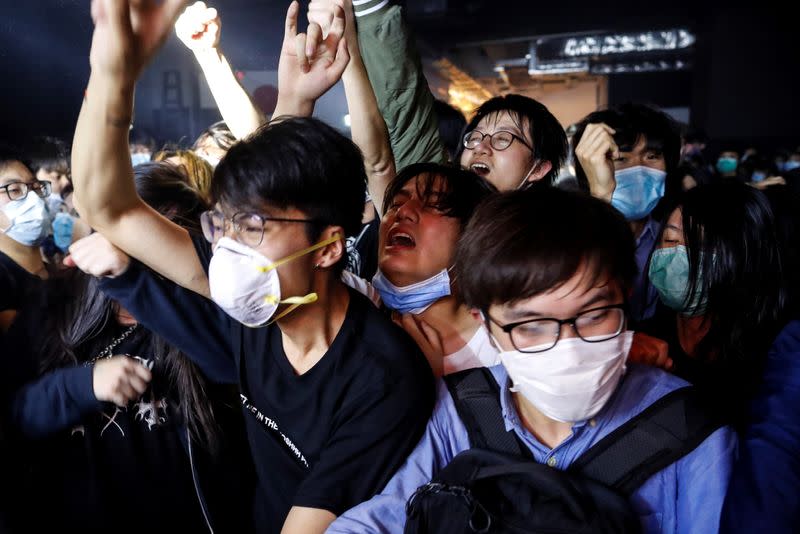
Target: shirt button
column 592, row 422
column 552, row 461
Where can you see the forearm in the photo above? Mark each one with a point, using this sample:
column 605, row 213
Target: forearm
column 234, row 103
column 402, row 93
column 54, row 402
column 303, row 520
column 368, row 129
column 101, row 162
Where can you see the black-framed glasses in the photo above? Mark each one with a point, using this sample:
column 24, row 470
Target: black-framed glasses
column 499, row 140
column 592, row 326
column 20, row 190
column 248, row 228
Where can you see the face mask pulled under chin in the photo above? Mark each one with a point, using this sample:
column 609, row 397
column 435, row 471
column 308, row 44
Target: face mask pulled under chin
column 245, row 283
column 414, row 298
column 574, row 380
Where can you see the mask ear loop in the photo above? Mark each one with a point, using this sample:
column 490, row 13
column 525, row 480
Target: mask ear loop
column 298, row 301
column 525, row 179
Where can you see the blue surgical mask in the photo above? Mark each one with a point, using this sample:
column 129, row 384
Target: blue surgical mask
column 63, row 225
column 139, row 158
column 638, row 191
column 54, row 204
column 727, row 165
column 758, row 177
column 30, row 221
column 790, row 165
column 415, row 298
column 669, row 274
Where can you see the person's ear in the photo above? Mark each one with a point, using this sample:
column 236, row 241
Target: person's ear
column 330, row 254
column 540, row 170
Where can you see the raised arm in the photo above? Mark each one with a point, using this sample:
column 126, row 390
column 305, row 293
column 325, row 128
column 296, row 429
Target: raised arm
column 127, row 35
column 199, row 29
column 395, row 71
column 368, row 128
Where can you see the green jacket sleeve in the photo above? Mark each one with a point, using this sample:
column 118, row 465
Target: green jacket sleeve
column 395, row 71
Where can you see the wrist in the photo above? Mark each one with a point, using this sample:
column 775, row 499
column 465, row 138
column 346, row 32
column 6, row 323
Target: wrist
column 208, row 56
column 290, row 104
column 602, row 192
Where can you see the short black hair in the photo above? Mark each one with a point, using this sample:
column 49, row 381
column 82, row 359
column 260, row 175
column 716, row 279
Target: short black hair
column 524, row 243
column 297, row 163
column 451, row 126
column 10, row 153
column 461, row 191
column 48, row 153
column 632, row 122
column 547, row 134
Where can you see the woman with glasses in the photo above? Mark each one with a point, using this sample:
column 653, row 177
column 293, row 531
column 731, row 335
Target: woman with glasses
column 24, row 224
column 513, row 141
column 548, row 271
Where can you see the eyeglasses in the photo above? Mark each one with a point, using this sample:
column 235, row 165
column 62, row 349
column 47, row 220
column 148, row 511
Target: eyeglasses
column 248, row 228
column 20, row 190
column 500, row 140
column 592, row 326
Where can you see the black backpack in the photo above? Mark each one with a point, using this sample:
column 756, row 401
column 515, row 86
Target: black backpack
column 497, row 487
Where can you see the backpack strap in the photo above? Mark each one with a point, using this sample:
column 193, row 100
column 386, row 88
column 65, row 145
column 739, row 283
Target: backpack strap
column 667, row 430
column 477, row 398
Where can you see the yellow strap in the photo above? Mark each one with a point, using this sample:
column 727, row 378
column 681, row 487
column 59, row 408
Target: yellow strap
column 299, row 253
column 295, row 302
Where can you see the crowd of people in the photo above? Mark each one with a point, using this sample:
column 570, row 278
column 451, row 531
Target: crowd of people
column 436, row 325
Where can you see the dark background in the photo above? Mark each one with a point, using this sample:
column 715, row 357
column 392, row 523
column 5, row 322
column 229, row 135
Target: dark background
column 742, row 88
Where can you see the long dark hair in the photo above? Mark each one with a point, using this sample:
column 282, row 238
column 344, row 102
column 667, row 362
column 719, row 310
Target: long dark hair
column 82, row 320
column 737, row 260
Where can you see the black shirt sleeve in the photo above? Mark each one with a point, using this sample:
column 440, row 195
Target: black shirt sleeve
column 189, row 321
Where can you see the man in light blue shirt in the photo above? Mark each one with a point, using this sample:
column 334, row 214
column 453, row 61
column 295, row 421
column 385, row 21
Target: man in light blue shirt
column 552, row 297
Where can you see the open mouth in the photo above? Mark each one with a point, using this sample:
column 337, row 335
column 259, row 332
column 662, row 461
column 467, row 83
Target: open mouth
column 481, row 169
column 398, row 238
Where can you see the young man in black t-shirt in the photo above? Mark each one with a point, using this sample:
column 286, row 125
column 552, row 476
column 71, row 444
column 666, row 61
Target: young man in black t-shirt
column 335, row 395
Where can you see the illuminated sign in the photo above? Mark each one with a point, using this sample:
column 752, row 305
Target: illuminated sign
column 609, row 44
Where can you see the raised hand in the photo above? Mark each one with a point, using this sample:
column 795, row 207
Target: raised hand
column 596, row 152
column 309, row 64
column 96, row 256
column 323, row 13
column 198, row 27
column 128, row 33
column 120, row 380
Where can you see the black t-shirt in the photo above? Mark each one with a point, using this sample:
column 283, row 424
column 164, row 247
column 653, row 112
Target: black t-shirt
column 116, row 469
column 16, row 284
column 362, row 250
column 330, row 438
